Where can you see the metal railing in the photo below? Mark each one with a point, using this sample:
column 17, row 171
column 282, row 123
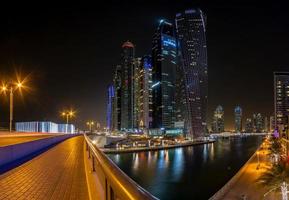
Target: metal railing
column 117, row 185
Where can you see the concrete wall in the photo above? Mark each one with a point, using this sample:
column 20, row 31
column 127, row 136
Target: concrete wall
column 11, row 153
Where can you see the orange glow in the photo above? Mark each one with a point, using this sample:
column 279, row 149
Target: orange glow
column 68, row 113
column 4, row 88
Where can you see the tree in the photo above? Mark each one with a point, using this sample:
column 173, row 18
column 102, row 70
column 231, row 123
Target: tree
column 276, row 177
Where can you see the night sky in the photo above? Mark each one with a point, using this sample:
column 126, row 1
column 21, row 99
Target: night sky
column 70, row 52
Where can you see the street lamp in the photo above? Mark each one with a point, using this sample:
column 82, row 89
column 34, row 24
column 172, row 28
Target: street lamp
column 67, row 115
column 11, row 87
column 90, row 124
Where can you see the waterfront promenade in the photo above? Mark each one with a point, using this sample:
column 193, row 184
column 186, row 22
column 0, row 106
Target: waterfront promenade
column 154, row 148
column 58, row 173
column 244, row 183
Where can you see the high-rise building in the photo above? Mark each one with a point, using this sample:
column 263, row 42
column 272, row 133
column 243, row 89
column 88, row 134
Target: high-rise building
column 249, row 125
column 218, row 124
column 136, row 92
column 144, row 93
column 266, row 124
column 238, row 119
column 164, row 64
column 258, row 123
column 109, row 107
column 281, row 100
column 272, row 124
column 116, row 114
column 191, row 36
column 127, row 86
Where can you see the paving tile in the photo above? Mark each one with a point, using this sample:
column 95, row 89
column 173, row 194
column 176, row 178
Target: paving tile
column 56, row 174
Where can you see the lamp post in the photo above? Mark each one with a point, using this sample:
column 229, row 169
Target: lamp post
column 67, row 115
column 11, row 87
column 90, row 124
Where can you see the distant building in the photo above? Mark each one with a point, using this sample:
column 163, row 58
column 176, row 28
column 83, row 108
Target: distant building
column 192, row 84
column 116, row 114
column 164, row 64
column 127, row 86
column 218, row 124
column 109, row 108
column 238, row 119
column 281, row 100
column 272, row 124
column 44, row 127
column 266, row 124
column 249, row 126
column 258, row 123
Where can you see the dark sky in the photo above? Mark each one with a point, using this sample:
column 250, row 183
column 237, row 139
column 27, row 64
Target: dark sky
column 71, row 51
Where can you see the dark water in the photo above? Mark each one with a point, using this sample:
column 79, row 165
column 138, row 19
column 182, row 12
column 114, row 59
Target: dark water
column 191, row 172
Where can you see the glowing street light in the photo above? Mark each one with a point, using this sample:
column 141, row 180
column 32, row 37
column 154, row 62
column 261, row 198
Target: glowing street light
column 11, row 87
column 90, row 124
column 67, row 114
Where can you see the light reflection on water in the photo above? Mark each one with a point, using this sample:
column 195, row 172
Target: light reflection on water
column 188, row 173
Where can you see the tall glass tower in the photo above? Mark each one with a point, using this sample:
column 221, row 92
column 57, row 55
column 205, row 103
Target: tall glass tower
column 218, row 124
column 109, row 108
column 238, row 119
column 116, row 114
column 191, row 35
column 164, row 63
column 127, row 85
column 143, row 93
column 281, row 100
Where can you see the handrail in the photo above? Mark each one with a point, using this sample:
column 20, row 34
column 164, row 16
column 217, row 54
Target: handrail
column 121, row 186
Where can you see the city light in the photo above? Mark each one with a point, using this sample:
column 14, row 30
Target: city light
column 90, row 124
column 11, row 86
column 67, row 114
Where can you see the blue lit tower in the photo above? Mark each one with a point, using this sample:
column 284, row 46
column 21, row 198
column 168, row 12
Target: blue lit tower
column 191, row 35
column 238, row 119
column 109, row 108
column 127, row 85
column 164, row 61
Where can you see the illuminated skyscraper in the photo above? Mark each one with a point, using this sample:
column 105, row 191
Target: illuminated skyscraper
column 164, row 63
column 281, row 100
column 272, row 124
column 266, row 124
column 238, row 119
column 191, row 35
column 127, row 85
column 258, row 123
column 218, row 124
column 136, row 92
column 116, row 114
column 144, row 93
column 109, row 107
column 249, row 125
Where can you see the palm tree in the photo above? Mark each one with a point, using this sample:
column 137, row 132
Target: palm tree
column 276, row 177
column 276, row 149
column 276, row 146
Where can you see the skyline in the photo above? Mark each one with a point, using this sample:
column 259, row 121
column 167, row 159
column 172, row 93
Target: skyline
column 49, row 51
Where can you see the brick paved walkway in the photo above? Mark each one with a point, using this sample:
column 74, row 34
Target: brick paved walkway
column 55, row 174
